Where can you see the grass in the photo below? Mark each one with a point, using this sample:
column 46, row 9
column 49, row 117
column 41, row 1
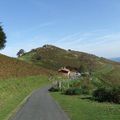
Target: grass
column 11, row 67
column 84, row 109
column 109, row 74
column 13, row 91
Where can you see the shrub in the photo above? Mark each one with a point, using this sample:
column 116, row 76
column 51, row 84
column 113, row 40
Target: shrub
column 36, row 57
column 76, row 91
column 82, row 68
column 53, row 89
column 107, row 94
column 84, row 89
column 73, row 91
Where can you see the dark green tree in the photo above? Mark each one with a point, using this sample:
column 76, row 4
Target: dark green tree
column 2, row 38
column 20, row 52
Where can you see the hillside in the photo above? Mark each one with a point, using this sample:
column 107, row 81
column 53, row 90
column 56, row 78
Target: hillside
column 17, row 80
column 11, row 67
column 41, row 61
column 52, row 57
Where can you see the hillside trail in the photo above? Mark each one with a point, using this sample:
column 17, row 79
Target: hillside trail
column 40, row 106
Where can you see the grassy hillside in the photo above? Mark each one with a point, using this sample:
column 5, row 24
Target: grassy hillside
column 11, row 67
column 52, row 57
column 14, row 90
column 17, row 80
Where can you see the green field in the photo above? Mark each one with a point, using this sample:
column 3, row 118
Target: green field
column 84, row 109
column 14, row 91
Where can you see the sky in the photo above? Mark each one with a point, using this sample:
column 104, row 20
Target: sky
column 91, row 26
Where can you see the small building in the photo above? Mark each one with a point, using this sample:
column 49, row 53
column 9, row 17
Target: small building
column 69, row 73
column 64, row 71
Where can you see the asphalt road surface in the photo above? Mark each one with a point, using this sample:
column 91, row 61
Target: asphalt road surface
column 40, row 106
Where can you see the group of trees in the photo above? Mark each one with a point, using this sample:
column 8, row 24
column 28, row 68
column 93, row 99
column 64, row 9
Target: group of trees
column 2, row 38
column 20, row 52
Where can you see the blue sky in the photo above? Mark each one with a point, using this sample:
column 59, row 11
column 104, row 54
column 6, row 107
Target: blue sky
column 91, row 26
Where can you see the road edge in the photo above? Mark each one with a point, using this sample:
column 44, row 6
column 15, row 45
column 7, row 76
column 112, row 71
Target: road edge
column 60, row 107
column 13, row 112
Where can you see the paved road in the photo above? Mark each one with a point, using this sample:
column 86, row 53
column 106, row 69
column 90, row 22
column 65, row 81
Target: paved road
column 40, row 106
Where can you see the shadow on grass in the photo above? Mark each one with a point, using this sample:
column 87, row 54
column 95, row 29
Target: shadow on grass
column 86, row 97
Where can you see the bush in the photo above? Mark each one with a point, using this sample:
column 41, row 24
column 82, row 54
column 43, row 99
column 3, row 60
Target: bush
column 107, row 94
column 77, row 91
column 82, row 68
column 53, row 89
column 84, row 89
column 37, row 57
column 73, row 91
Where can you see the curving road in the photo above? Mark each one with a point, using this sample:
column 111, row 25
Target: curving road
column 40, row 106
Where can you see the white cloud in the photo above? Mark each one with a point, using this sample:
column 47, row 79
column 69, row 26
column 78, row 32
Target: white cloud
column 97, row 42
column 106, row 45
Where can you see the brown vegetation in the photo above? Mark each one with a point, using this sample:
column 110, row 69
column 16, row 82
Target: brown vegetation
column 11, row 67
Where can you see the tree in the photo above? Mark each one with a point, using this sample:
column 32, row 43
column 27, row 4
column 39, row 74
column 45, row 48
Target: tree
column 2, row 38
column 20, row 53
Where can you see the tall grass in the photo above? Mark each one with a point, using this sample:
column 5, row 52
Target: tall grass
column 13, row 91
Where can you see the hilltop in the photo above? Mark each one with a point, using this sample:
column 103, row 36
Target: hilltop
column 52, row 57
column 11, row 67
